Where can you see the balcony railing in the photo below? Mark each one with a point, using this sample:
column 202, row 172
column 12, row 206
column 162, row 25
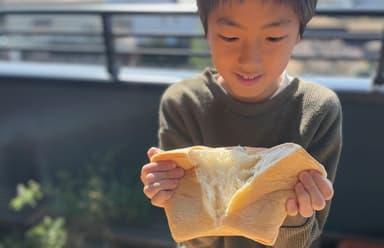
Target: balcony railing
column 108, row 35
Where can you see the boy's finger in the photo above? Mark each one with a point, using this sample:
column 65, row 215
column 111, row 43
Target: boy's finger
column 324, row 185
column 160, row 199
column 152, row 151
column 157, row 167
column 176, row 173
column 151, row 190
column 316, row 197
column 291, row 207
column 304, row 201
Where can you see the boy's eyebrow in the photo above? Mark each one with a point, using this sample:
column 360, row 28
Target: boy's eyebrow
column 228, row 22
column 278, row 23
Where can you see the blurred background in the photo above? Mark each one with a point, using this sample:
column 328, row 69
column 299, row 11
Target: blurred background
column 80, row 83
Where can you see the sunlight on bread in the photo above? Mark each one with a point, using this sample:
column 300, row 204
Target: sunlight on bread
column 234, row 190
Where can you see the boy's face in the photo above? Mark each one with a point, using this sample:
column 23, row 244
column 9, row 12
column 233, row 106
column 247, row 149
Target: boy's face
column 251, row 43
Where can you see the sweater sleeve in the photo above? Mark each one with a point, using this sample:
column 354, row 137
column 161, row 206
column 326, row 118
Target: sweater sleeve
column 172, row 131
column 326, row 148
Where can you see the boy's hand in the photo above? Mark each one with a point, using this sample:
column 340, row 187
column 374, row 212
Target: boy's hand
column 160, row 179
column 312, row 190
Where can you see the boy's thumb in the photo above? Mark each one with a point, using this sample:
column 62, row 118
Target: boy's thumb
column 152, row 151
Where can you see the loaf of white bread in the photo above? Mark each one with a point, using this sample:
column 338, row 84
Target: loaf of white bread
column 235, row 191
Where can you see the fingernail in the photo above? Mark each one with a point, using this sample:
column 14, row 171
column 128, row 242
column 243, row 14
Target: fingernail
column 150, row 176
column 156, row 184
column 151, row 151
column 172, row 165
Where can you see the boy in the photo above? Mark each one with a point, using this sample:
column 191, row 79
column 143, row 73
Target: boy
column 249, row 100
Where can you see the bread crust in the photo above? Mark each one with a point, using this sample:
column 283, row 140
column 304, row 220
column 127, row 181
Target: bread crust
column 256, row 211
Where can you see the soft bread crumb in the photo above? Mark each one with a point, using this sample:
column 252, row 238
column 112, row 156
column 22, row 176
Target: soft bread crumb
column 224, row 171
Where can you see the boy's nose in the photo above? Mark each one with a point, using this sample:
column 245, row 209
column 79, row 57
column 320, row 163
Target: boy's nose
column 250, row 54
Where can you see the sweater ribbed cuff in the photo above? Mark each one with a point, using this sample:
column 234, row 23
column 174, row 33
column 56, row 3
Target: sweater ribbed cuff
column 298, row 236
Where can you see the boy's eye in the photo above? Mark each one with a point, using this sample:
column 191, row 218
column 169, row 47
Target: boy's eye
column 275, row 39
column 228, row 39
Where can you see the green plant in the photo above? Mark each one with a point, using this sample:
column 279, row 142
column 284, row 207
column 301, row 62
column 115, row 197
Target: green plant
column 27, row 195
column 48, row 233
column 103, row 191
column 88, row 198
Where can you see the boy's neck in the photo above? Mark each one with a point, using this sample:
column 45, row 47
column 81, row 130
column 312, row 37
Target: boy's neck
column 283, row 80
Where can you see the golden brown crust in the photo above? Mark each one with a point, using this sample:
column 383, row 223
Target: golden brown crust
column 180, row 156
column 256, row 211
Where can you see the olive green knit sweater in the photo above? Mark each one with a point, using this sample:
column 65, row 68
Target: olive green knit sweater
column 198, row 111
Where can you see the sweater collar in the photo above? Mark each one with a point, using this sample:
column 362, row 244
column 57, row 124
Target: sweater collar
column 247, row 108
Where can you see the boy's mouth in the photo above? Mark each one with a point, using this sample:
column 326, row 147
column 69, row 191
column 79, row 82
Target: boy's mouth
column 248, row 79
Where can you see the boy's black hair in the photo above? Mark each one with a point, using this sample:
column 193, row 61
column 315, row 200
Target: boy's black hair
column 304, row 9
